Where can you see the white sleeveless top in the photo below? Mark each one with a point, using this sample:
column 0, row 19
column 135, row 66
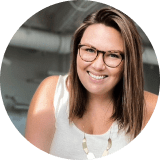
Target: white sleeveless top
column 67, row 141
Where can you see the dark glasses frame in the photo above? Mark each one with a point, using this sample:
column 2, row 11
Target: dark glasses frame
column 103, row 52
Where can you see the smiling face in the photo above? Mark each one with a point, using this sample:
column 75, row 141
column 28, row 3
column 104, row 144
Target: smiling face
column 96, row 76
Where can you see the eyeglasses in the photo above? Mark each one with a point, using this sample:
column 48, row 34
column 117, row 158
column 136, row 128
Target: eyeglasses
column 111, row 58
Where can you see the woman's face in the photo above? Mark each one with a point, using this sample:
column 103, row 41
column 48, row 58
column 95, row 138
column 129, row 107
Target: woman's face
column 90, row 74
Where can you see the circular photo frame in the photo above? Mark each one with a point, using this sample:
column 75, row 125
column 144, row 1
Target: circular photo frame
column 41, row 48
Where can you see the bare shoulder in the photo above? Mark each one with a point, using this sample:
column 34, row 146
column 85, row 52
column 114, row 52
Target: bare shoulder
column 40, row 119
column 150, row 97
column 150, row 104
column 48, row 86
column 49, row 82
column 44, row 94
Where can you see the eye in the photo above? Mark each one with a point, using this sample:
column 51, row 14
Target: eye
column 114, row 55
column 90, row 50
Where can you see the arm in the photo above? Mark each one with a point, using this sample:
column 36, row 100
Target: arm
column 40, row 124
column 150, row 104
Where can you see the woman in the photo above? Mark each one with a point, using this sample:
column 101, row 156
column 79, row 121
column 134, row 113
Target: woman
column 100, row 106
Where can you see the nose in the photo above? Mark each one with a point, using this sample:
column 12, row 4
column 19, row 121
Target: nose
column 98, row 63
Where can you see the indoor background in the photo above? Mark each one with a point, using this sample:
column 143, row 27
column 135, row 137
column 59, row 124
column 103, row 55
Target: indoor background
column 41, row 48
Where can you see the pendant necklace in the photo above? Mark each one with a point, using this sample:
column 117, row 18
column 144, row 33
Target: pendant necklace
column 90, row 155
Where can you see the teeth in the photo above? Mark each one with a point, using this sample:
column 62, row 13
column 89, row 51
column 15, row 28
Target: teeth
column 96, row 77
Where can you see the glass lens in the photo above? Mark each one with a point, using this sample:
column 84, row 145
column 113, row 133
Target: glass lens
column 87, row 53
column 112, row 59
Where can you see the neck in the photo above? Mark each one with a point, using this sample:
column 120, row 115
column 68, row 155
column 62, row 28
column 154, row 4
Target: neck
column 99, row 105
column 99, row 100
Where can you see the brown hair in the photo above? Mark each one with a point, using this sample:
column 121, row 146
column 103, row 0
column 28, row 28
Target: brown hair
column 129, row 92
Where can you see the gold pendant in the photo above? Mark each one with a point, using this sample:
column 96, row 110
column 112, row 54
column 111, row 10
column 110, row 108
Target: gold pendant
column 108, row 147
column 84, row 145
column 90, row 155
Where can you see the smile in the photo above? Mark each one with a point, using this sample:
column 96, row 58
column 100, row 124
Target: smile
column 96, row 77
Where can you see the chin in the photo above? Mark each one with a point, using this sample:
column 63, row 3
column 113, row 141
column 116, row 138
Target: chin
column 97, row 91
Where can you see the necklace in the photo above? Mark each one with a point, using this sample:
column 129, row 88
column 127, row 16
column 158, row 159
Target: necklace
column 90, row 155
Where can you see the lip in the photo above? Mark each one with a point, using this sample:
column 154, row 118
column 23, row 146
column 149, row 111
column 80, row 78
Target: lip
column 98, row 81
column 96, row 74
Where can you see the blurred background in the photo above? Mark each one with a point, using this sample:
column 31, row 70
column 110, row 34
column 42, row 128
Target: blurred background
column 41, row 48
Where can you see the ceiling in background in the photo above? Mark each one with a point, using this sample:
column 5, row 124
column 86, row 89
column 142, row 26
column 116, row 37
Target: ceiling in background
column 52, row 28
column 63, row 17
column 58, row 20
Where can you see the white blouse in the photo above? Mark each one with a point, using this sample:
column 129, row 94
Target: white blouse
column 67, row 141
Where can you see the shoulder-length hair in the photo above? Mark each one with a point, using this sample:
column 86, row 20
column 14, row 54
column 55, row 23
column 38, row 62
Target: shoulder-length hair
column 129, row 92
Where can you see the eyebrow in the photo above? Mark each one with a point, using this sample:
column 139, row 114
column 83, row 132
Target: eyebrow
column 87, row 44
